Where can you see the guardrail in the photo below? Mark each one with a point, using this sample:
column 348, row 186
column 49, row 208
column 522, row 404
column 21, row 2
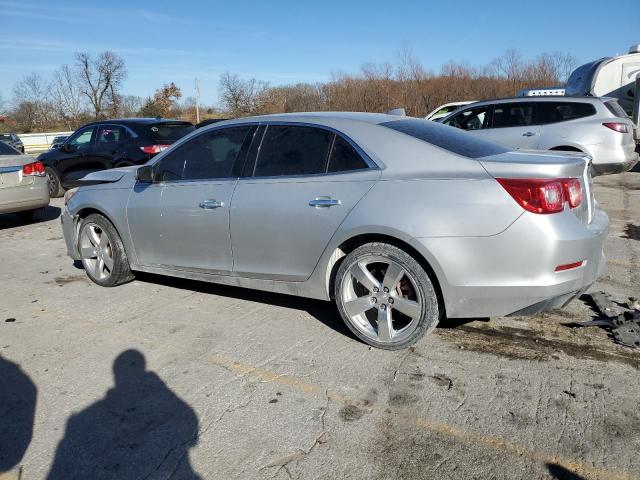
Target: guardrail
column 39, row 142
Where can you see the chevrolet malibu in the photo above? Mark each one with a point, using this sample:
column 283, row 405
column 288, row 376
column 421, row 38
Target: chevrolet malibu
column 400, row 221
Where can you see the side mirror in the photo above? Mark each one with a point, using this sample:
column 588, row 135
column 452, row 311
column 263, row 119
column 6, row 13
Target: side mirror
column 144, row 174
column 68, row 148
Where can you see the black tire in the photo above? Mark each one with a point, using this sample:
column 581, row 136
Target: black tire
column 425, row 292
column 121, row 272
column 55, row 186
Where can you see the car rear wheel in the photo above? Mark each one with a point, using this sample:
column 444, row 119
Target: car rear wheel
column 385, row 297
column 55, row 187
column 103, row 256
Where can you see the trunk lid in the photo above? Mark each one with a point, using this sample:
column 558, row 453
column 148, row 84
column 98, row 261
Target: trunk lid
column 11, row 170
column 546, row 164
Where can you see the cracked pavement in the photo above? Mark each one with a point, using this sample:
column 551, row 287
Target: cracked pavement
column 245, row 384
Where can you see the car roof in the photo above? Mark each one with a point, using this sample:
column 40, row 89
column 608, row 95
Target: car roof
column 137, row 121
column 318, row 117
column 545, row 98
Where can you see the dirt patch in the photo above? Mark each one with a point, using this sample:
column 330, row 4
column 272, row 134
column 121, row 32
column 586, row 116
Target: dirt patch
column 69, row 279
column 442, row 381
column 351, row 413
column 523, row 344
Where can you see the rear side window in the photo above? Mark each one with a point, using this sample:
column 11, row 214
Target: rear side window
column 551, row 112
column 344, row 157
column 293, row 150
column 614, row 107
column 448, row 138
column 7, row 150
column 210, row 155
column 513, row 115
column 110, row 134
column 167, row 133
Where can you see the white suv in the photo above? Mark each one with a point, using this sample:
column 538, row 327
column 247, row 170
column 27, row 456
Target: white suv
column 596, row 126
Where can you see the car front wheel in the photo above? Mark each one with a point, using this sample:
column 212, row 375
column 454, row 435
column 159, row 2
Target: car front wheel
column 385, row 296
column 103, row 256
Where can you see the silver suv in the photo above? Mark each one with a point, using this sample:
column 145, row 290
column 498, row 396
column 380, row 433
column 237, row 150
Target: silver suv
column 596, row 126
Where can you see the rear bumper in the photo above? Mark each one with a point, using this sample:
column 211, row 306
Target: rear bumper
column 608, row 166
column 25, row 197
column 514, row 272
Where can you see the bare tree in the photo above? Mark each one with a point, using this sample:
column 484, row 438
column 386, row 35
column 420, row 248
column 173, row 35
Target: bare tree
column 66, row 97
column 99, row 79
column 242, row 97
column 31, row 103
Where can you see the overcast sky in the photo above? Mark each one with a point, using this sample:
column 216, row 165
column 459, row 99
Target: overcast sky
column 292, row 41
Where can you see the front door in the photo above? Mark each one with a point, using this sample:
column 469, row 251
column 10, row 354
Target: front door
column 189, row 227
column 304, row 183
column 71, row 164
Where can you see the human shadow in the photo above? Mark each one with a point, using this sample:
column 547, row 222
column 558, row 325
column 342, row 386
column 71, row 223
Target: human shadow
column 561, row 473
column 17, row 409
column 139, row 429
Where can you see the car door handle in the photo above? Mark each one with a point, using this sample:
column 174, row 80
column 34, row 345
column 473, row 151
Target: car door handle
column 210, row 204
column 323, row 202
column 528, row 134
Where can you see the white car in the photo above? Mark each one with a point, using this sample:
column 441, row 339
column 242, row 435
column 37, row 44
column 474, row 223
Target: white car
column 598, row 127
column 445, row 109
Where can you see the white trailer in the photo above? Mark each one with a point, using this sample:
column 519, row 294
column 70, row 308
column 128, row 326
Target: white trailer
column 608, row 77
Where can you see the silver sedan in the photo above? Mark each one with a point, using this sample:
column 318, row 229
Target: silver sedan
column 400, row 221
column 23, row 185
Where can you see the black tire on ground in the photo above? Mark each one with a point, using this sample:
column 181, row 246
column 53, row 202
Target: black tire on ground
column 55, row 187
column 121, row 272
column 426, row 292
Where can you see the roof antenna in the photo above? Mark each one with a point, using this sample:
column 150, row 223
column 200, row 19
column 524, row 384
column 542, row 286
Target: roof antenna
column 398, row 112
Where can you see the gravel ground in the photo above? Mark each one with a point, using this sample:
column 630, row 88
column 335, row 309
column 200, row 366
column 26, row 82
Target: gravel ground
column 165, row 378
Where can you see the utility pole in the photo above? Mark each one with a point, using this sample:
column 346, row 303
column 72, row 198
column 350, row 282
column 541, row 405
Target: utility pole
column 197, row 101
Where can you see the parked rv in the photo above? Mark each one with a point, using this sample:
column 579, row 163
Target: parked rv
column 608, row 77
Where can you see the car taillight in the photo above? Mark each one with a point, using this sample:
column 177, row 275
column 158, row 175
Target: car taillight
column 35, row 169
column 573, row 191
column 543, row 196
column 153, row 149
column 618, row 127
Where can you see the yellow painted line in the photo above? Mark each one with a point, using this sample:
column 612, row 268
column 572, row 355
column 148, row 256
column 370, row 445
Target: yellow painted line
column 494, row 443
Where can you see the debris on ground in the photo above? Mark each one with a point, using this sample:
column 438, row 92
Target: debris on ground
column 621, row 320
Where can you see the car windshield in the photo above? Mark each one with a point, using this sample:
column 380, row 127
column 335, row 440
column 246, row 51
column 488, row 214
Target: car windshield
column 448, row 138
column 7, row 150
column 169, row 132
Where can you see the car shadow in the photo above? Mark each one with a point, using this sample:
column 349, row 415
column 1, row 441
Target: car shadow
column 12, row 220
column 17, row 412
column 325, row 312
column 561, row 473
column 139, row 429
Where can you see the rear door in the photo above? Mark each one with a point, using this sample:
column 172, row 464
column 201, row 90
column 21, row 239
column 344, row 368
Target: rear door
column 514, row 124
column 109, row 146
column 297, row 190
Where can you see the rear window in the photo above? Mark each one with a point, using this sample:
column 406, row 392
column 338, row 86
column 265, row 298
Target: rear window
column 5, row 137
column 448, row 138
column 7, row 150
column 551, row 112
column 166, row 133
column 614, row 107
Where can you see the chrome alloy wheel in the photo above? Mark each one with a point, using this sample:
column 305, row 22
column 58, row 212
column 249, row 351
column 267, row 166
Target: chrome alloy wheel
column 96, row 251
column 381, row 299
